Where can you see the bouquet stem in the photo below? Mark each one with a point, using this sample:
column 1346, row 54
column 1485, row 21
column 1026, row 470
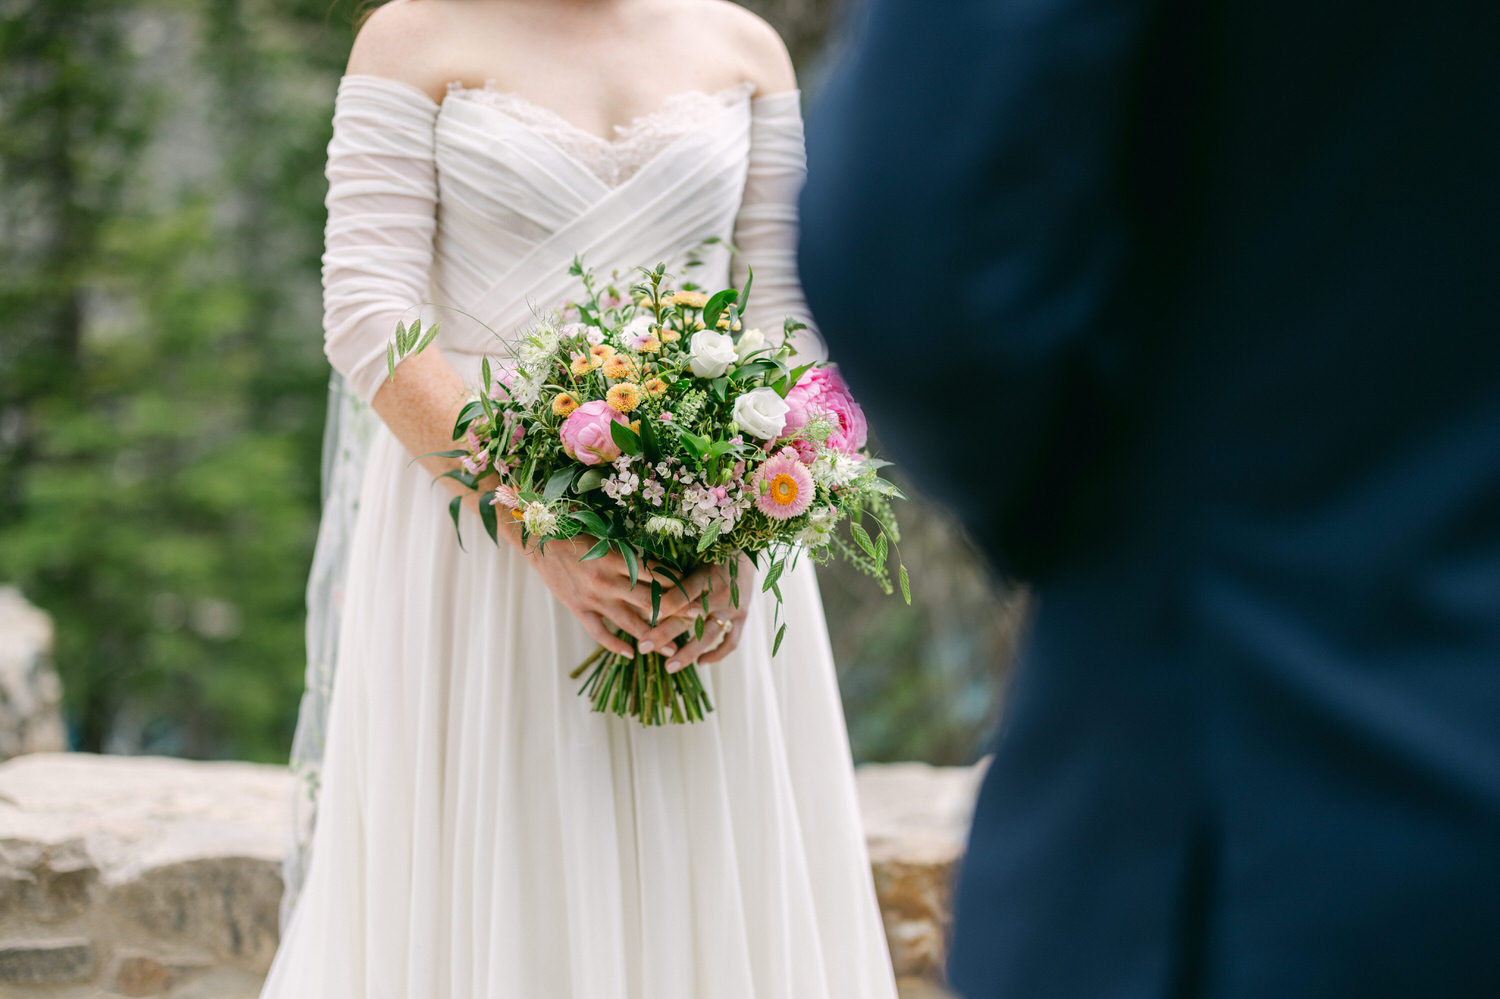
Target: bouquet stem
column 640, row 687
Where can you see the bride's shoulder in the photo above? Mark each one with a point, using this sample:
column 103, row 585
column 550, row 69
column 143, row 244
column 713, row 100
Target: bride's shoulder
column 403, row 40
column 749, row 40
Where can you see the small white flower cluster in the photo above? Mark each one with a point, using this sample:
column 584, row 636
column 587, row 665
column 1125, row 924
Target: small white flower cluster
column 653, row 492
column 621, row 486
column 704, row 505
column 667, row 527
column 835, row 469
column 820, row 524
column 538, row 518
column 535, row 354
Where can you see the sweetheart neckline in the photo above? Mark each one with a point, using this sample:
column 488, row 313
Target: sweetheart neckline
column 623, row 133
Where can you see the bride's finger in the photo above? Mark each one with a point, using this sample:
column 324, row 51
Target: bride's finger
column 663, row 638
column 731, row 642
column 625, row 618
column 715, row 632
column 674, row 602
column 594, row 625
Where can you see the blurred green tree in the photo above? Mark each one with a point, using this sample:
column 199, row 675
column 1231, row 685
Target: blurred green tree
column 162, row 386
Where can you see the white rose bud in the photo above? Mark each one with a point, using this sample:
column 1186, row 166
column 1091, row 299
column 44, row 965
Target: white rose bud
column 710, row 354
column 761, row 412
column 750, row 342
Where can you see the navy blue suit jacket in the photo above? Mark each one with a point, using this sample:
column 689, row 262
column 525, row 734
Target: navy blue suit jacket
column 1189, row 311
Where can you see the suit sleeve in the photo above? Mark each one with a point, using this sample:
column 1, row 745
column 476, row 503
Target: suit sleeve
column 381, row 201
column 962, row 235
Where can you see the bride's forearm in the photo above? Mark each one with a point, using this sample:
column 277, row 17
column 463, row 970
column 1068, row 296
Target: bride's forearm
column 420, row 405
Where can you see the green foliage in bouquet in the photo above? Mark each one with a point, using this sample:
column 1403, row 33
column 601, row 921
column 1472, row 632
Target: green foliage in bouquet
column 650, row 421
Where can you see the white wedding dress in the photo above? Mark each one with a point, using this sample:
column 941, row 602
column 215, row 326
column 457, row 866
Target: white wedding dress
column 480, row 832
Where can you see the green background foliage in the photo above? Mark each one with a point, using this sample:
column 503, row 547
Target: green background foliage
column 162, row 387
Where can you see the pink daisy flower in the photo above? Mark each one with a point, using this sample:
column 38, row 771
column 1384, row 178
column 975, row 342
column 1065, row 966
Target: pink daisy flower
column 783, row 488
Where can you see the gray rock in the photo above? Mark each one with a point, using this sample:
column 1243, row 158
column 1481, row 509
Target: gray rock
column 152, row 876
column 46, row 962
column 916, row 823
column 30, row 691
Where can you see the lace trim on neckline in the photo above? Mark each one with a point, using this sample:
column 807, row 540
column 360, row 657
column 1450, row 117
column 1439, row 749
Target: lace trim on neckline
column 612, row 160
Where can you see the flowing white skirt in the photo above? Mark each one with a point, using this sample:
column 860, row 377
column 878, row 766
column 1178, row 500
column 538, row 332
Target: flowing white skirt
column 482, row 833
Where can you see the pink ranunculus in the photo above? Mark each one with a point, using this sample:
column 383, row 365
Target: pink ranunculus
column 586, row 436
column 821, row 390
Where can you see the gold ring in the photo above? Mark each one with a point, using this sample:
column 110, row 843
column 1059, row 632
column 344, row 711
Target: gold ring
column 723, row 624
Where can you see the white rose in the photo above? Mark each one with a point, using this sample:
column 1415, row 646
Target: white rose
column 710, row 353
column 761, row 412
column 750, row 342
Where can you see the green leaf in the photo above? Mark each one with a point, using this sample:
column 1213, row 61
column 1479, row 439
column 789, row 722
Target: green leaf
column 880, row 550
column 487, row 515
column 557, row 484
column 591, row 522
column 714, row 308
column 453, row 507
column 655, row 601
column 412, row 332
column 698, row 446
column 466, row 416
column 721, row 388
column 486, row 383
column 905, row 585
column 709, row 537
column 773, row 575
column 863, row 539
column 455, row 453
column 600, row 549
column 626, row 440
column 780, row 634
column 757, row 367
column 628, row 554
column 589, row 480
column 432, row 331
column 650, row 443
column 743, row 302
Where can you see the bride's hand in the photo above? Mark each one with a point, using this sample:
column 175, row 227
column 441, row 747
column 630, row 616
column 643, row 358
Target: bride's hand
column 598, row 591
column 723, row 622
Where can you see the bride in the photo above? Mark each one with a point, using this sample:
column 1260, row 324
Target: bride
column 479, row 831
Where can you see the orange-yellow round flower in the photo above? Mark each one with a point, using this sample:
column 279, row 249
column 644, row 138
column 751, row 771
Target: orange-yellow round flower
column 656, row 387
column 564, row 403
column 690, row 299
column 601, row 352
column 619, row 366
column 624, row 397
column 670, row 336
column 580, row 365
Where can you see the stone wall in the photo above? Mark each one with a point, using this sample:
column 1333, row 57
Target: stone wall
column 30, row 692
column 151, row 876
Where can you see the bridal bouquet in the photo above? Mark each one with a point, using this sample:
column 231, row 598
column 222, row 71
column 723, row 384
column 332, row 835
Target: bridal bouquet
column 652, row 422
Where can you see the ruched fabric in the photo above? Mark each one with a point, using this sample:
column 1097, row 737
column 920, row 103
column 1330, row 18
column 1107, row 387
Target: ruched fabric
column 480, row 832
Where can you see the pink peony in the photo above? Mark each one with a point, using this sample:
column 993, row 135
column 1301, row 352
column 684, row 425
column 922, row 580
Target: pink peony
column 821, row 391
column 783, row 487
column 586, row 436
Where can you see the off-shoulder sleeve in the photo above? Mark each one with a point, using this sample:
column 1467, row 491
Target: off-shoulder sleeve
column 382, row 196
column 765, row 230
